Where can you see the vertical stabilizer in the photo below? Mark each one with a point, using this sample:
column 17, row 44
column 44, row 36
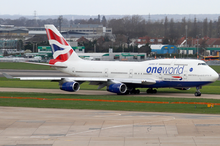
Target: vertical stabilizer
column 61, row 50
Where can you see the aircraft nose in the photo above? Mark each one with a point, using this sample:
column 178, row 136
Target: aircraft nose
column 215, row 76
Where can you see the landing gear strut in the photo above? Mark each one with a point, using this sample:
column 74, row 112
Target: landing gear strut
column 150, row 90
column 198, row 93
column 133, row 91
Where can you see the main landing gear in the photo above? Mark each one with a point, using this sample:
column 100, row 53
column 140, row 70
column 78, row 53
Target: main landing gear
column 133, row 91
column 151, row 90
column 130, row 91
column 198, row 93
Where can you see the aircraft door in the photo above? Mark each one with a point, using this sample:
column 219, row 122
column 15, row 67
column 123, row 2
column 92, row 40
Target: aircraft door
column 73, row 70
column 106, row 72
column 131, row 73
column 160, row 76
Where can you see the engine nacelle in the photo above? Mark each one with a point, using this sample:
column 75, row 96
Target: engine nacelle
column 70, row 86
column 182, row 88
column 119, row 88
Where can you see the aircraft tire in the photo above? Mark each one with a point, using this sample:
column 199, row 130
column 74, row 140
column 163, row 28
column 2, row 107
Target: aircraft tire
column 197, row 94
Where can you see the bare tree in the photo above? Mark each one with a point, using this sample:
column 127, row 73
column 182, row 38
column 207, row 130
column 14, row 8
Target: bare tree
column 205, row 27
column 210, row 29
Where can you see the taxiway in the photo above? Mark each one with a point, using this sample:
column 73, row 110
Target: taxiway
column 55, row 127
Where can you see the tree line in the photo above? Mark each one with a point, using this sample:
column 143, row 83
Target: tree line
column 136, row 26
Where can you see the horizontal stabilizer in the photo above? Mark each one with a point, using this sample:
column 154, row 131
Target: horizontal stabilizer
column 51, row 65
column 7, row 76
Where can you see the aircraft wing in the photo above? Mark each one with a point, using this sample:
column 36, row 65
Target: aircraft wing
column 88, row 79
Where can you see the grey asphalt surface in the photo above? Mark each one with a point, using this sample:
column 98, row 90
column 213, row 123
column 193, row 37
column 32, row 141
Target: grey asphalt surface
column 69, row 127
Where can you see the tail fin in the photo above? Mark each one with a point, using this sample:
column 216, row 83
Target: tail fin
column 61, row 50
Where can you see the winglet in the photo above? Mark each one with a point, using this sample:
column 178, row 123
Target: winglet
column 7, row 76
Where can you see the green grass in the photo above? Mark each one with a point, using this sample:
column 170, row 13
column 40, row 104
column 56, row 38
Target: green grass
column 16, row 83
column 180, row 108
column 216, row 68
column 23, row 66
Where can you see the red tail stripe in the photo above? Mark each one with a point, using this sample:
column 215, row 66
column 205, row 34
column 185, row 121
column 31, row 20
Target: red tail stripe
column 52, row 36
column 61, row 57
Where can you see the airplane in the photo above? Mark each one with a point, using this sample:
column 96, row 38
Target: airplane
column 123, row 77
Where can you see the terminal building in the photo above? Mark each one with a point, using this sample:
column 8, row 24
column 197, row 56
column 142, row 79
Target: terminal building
column 76, row 31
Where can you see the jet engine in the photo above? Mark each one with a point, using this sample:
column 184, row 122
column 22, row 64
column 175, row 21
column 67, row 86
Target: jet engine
column 70, row 86
column 118, row 88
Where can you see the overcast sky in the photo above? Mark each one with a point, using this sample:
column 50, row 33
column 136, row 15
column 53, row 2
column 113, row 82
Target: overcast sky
column 110, row 7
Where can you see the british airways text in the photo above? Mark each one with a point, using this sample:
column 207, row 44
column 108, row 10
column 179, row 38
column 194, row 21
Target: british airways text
column 165, row 70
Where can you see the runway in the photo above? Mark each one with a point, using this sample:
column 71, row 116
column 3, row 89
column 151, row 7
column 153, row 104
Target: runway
column 104, row 93
column 56, row 127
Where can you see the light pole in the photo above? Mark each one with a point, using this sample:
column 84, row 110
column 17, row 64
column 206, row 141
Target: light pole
column 36, row 48
column 197, row 47
column 186, row 41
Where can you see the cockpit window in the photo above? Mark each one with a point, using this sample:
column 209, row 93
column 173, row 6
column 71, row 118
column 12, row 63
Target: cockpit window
column 202, row 64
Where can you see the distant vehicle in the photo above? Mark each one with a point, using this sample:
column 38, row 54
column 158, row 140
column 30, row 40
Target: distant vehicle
column 210, row 58
column 123, row 77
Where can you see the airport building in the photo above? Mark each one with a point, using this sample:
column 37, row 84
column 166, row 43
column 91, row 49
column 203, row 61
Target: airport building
column 76, row 31
column 120, row 56
column 46, row 53
column 193, row 50
column 11, row 32
column 164, row 49
column 193, row 45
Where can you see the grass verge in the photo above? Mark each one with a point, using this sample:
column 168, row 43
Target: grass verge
column 147, row 107
column 16, row 83
column 23, row 66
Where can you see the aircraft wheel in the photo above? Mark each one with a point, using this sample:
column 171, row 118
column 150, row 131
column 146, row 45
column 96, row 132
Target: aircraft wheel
column 127, row 92
column 154, row 91
column 148, row 91
column 132, row 91
column 197, row 94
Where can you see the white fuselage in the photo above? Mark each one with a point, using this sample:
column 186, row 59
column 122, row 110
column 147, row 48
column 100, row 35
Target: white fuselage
column 176, row 70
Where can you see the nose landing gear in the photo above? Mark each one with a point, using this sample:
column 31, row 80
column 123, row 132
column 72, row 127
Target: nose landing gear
column 198, row 93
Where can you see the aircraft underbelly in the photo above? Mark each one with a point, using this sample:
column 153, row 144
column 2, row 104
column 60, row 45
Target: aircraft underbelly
column 173, row 84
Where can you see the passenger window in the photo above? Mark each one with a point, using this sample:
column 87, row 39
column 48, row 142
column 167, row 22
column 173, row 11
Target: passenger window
column 202, row 64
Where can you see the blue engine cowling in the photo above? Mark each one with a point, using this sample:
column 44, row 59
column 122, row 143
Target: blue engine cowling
column 119, row 88
column 70, row 86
